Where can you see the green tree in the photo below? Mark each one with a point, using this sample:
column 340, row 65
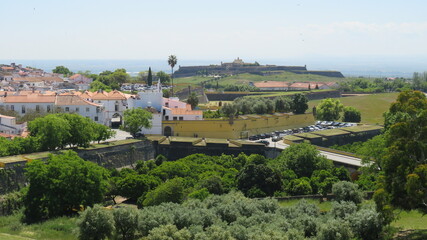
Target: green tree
column 406, row 140
column 149, row 77
column 347, row 191
column 351, row 114
column 299, row 103
column 62, row 70
column 193, row 100
column 82, row 130
column 229, row 110
column 102, row 132
column 61, row 185
column 135, row 119
column 95, row 224
column 119, row 76
column 52, row 131
column 300, row 186
column 282, row 104
column 260, row 177
column 163, row 77
column 133, row 185
column 335, row 230
column 125, row 222
column 303, row 159
column 172, row 60
column 170, row 191
column 329, row 109
column 98, row 85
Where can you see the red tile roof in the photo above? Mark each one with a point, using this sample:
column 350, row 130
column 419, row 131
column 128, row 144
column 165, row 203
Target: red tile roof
column 33, row 98
column 38, row 79
column 64, row 100
column 271, row 84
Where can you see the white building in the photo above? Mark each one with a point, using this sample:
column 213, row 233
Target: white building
column 173, row 109
column 22, row 104
column 103, row 107
column 8, row 126
column 114, row 103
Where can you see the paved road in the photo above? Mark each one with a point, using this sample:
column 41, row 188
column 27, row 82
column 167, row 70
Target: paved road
column 120, row 135
column 332, row 156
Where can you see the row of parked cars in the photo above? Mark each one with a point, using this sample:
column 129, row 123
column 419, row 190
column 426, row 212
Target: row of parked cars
column 278, row 135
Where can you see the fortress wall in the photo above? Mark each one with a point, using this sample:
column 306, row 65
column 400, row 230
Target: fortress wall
column 237, row 128
column 216, row 69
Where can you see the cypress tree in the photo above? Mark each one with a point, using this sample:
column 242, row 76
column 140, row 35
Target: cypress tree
column 150, row 77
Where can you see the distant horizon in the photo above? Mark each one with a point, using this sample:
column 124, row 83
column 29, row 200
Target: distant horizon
column 351, row 66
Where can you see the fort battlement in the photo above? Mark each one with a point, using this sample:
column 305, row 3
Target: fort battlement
column 239, row 67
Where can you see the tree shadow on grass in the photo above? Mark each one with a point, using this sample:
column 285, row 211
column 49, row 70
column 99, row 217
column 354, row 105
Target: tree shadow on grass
column 412, row 235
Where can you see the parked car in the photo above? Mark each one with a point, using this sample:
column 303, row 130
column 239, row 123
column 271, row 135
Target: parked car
column 265, row 142
column 276, row 138
column 253, row 138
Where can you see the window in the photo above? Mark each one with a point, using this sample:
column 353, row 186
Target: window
column 67, row 109
column 96, row 119
column 167, row 104
column 98, row 110
column 181, row 118
column 12, row 107
column 77, row 109
column 38, row 108
column 116, row 107
column 48, row 108
column 166, row 118
column 87, row 109
column 175, row 118
column 23, row 108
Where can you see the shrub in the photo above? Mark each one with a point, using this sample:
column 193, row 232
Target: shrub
column 343, row 209
column 152, row 217
column 169, row 232
column 300, row 186
column 334, row 230
column 126, row 222
column 347, row 191
column 366, row 224
column 200, row 194
column 95, row 223
column 170, row 191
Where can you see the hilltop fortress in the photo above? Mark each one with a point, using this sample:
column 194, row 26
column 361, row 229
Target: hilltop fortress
column 238, row 66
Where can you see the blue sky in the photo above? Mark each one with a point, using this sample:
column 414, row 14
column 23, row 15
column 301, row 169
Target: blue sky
column 223, row 30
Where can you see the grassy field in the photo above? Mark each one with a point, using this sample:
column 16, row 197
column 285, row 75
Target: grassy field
column 241, row 79
column 410, row 220
column 63, row 228
column 371, row 106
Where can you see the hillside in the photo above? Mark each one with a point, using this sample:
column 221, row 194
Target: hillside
column 372, row 106
column 246, row 78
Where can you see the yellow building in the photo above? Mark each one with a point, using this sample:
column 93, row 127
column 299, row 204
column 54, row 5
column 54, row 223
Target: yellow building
column 242, row 127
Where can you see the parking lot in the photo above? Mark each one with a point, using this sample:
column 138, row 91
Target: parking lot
column 276, row 136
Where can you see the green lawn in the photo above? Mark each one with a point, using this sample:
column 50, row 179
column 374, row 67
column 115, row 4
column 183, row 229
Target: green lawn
column 63, row 228
column 371, row 106
column 410, row 220
column 241, row 79
column 323, row 206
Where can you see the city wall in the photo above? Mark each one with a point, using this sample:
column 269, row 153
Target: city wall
column 218, row 69
column 238, row 128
